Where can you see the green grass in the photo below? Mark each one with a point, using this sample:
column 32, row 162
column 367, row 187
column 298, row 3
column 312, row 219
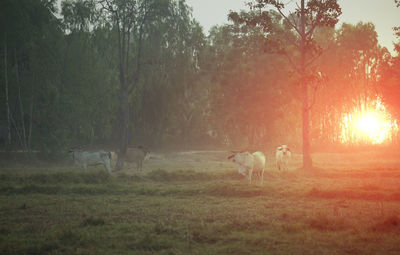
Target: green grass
column 205, row 208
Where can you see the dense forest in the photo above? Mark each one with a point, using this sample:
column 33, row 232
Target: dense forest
column 117, row 73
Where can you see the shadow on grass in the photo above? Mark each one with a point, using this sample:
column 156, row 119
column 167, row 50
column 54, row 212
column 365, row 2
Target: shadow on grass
column 359, row 194
column 89, row 177
column 79, row 189
column 328, row 223
column 178, row 183
column 179, row 176
column 234, row 190
column 151, row 242
column 388, row 224
column 91, row 221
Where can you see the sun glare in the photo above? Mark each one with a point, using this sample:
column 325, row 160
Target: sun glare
column 370, row 126
column 373, row 126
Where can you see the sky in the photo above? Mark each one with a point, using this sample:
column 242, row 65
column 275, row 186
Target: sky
column 382, row 13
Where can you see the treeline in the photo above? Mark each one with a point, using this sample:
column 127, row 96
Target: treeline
column 62, row 84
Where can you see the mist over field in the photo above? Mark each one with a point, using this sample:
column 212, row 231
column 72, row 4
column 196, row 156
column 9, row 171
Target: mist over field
column 126, row 129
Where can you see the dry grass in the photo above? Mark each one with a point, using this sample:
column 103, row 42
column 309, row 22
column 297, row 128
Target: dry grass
column 195, row 203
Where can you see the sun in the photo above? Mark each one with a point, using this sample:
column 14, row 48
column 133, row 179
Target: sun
column 372, row 125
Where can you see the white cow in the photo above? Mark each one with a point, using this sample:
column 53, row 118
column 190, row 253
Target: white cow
column 86, row 158
column 259, row 165
column 248, row 163
column 137, row 155
column 283, row 155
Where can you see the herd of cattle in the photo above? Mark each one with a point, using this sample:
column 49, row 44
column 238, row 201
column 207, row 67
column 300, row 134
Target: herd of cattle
column 84, row 158
column 248, row 164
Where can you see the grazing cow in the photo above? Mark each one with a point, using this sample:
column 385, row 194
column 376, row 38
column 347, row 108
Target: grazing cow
column 245, row 163
column 259, row 165
column 249, row 164
column 137, row 155
column 86, row 158
column 283, row 155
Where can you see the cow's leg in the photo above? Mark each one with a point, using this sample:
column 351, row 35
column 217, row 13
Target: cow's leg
column 250, row 174
column 108, row 167
column 262, row 177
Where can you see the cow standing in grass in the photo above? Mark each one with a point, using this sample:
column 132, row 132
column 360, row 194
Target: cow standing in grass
column 259, row 165
column 248, row 163
column 283, row 155
column 137, row 155
column 86, row 158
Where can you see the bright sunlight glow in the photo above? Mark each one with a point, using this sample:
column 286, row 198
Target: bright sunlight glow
column 373, row 125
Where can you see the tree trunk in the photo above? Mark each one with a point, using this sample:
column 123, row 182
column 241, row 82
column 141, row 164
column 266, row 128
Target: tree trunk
column 123, row 102
column 6, row 92
column 307, row 162
column 124, row 16
column 21, row 107
column 124, row 124
column 31, row 113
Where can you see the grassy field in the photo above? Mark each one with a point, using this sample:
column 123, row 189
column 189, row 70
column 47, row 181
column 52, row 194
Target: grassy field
column 196, row 203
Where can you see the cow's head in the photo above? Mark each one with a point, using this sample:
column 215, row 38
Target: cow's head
column 284, row 149
column 234, row 153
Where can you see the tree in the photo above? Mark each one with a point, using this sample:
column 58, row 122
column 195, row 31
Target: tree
column 352, row 63
column 303, row 22
column 246, row 96
column 168, row 106
column 23, row 22
column 129, row 19
column 86, row 71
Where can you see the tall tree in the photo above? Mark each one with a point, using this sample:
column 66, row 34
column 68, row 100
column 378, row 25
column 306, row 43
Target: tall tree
column 247, row 99
column 86, row 71
column 7, row 103
column 23, row 23
column 129, row 19
column 170, row 98
column 303, row 21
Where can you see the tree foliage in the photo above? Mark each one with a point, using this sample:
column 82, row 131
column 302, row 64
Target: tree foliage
column 390, row 77
column 306, row 18
column 117, row 73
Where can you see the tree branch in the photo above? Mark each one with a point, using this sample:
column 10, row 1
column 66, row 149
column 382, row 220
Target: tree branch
column 291, row 62
column 288, row 20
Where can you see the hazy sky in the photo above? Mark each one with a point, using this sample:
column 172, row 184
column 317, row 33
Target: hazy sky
column 382, row 13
